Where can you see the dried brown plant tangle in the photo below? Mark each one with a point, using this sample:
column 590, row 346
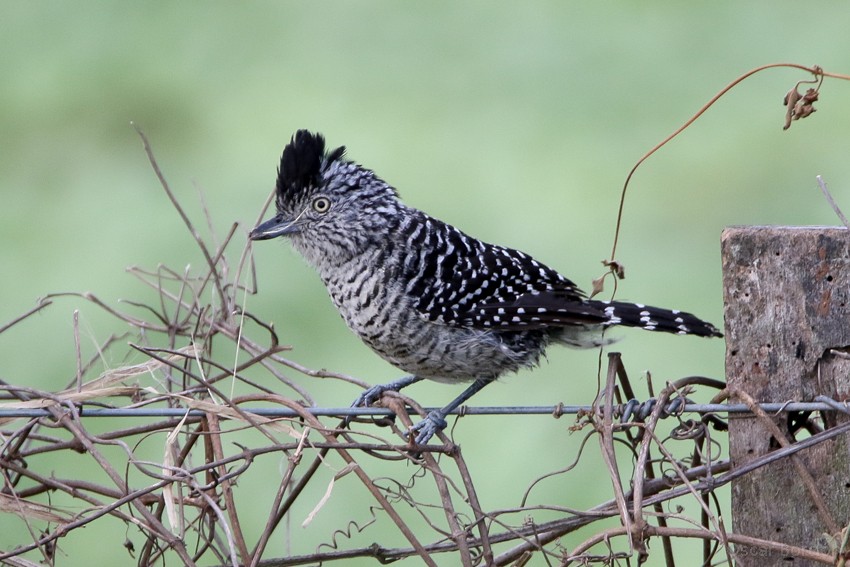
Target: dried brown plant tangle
column 212, row 413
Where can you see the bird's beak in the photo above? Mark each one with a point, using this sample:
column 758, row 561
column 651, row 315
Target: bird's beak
column 274, row 227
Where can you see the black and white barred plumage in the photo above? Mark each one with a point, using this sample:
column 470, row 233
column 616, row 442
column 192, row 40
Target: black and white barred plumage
column 425, row 296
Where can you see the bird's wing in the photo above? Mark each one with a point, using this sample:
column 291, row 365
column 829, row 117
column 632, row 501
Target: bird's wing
column 461, row 281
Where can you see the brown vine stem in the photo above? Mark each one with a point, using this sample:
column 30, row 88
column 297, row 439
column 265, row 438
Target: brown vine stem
column 738, row 539
column 814, row 70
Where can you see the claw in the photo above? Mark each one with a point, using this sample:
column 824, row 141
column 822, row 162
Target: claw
column 434, row 422
column 369, row 397
column 373, row 394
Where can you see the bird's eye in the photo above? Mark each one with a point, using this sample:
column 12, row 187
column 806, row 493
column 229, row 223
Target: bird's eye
column 321, row 204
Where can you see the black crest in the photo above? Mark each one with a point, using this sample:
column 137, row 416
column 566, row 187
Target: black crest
column 303, row 160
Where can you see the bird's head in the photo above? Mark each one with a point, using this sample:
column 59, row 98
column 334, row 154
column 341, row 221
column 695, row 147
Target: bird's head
column 325, row 203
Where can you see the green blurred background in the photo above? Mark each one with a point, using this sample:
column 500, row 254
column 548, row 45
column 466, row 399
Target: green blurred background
column 516, row 122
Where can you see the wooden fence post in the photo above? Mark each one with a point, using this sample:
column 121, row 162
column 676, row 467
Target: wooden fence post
column 787, row 312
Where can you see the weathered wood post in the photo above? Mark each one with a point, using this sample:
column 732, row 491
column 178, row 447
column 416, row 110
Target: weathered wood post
column 787, row 311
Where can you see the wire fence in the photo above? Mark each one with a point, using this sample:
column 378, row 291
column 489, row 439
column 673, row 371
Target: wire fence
column 186, row 470
column 635, row 407
column 193, row 492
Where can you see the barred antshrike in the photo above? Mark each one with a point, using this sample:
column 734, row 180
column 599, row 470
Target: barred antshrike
column 425, row 296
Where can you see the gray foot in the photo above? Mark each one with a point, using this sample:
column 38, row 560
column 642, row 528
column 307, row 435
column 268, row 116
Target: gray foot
column 371, row 395
column 428, row 427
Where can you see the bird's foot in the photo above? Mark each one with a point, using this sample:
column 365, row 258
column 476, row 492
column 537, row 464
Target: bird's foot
column 433, row 423
column 371, row 395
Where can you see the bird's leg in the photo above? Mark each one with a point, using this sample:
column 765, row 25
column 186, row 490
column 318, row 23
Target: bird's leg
column 373, row 394
column 436, row 420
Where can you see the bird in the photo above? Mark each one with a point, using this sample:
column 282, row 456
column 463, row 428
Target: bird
column 425, row 296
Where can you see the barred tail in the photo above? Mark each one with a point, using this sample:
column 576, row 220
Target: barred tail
column 654, row 318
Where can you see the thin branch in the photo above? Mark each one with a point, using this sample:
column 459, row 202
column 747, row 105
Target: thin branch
column 825, row 190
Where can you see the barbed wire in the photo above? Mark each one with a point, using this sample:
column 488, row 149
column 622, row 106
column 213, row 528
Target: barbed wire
column 632, row 407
